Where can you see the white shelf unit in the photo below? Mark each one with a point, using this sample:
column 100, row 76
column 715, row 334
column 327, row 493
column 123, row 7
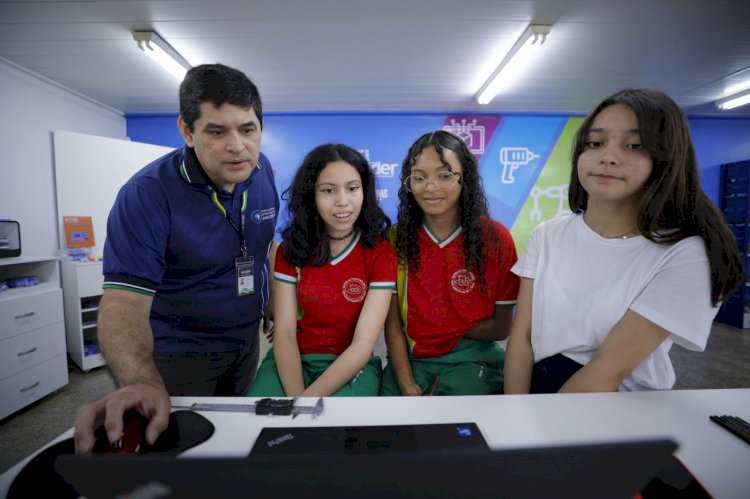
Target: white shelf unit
column 82, row 290
column 32, row 331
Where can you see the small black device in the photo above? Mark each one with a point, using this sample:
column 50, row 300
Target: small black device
column 10, row 238
column 281, row 407
column 265, row 407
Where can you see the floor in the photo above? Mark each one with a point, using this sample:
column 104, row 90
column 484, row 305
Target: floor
column 724, row 364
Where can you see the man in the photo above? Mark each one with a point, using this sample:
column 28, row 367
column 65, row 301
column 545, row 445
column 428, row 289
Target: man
column 186, row 261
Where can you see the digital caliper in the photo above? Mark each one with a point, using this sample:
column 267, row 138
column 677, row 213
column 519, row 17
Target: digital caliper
column 266, row 406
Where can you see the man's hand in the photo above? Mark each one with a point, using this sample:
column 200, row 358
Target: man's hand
column 150, row 401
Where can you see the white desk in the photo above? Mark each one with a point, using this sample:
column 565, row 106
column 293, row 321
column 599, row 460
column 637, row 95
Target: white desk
column 718, row 459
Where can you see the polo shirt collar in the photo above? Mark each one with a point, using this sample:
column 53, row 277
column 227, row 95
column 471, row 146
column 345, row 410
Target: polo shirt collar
column 192, row 172
column 445, row 242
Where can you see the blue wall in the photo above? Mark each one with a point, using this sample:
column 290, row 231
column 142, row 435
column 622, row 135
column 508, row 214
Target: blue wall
column 543, row 143
column 159, row 129
column 718, row 141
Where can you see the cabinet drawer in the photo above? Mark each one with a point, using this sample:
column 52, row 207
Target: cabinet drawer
column 90, row 279
column 30, row 385
column 30, row 312
column 29, row 349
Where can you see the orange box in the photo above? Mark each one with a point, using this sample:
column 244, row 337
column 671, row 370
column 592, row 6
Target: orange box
column 79, row 232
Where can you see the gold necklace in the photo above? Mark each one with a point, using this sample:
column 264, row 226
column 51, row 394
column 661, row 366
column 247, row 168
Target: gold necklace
column 625, row 235
column 334, row 238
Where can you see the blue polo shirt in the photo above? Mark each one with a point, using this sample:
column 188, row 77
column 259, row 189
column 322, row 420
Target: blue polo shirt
column 168, row 238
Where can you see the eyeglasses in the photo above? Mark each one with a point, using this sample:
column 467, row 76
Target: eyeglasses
column 443, row 180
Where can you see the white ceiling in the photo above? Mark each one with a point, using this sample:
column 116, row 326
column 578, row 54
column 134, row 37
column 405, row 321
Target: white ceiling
column 388, row 54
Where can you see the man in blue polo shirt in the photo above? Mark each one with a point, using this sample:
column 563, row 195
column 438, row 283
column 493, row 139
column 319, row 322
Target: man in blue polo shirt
column 186, row 261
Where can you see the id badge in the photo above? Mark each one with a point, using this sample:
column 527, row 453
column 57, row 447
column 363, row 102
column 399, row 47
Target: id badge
column 245, row 280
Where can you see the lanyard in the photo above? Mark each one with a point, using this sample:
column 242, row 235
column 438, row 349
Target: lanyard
column 239, row 230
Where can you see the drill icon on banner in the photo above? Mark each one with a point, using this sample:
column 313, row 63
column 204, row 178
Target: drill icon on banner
column 512, row 158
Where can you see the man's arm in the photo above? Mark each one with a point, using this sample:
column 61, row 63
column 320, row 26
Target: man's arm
column 126, row 340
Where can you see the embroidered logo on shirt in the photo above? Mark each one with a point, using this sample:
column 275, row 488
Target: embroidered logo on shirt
column 462, row 281
column 354, row 290
column 259, row 216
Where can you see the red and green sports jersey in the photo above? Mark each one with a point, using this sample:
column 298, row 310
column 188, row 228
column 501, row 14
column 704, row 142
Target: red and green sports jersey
column 443, row 300
column 330, row 297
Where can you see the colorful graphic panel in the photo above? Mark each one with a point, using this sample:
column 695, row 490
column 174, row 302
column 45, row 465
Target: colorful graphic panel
column 548, row 198
column 513, row 158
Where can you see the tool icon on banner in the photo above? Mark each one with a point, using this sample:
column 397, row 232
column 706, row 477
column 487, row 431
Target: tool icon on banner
column 470, row 132
column 554, row 192
column 512, row 158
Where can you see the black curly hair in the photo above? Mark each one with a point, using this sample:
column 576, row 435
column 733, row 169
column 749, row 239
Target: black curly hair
column 305, row 241
column 472, row 203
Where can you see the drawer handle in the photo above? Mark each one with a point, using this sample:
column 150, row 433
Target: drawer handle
column 27, row 352
column 24, row 316
column 30, row 387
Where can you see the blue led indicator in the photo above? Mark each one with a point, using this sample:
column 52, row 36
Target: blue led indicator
column 464, row 431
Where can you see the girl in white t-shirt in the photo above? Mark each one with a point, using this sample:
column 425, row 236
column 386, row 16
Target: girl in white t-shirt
column 644, row 260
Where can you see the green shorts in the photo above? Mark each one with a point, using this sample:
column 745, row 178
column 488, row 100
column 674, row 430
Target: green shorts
column 365, row 384
column 473, row 367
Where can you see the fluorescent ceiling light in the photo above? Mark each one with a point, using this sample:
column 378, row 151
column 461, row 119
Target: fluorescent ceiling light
column 736, row 100
column 739, row 87
column 160, row 51
column 519, row 56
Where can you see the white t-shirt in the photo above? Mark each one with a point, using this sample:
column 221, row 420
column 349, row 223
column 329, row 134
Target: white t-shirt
column 584, row 284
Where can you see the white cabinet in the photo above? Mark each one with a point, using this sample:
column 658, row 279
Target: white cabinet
column 82, row 289
column 32, row 331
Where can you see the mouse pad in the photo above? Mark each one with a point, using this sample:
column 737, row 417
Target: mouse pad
column 38, row 478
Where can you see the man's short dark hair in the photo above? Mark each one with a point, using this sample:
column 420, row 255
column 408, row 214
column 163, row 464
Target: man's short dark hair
column 217, row 84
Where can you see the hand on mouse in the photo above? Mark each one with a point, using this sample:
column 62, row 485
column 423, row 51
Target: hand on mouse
column 131, row 439
column 151, row 402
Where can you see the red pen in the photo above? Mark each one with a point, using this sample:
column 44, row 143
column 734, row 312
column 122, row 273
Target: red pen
column 434, row 385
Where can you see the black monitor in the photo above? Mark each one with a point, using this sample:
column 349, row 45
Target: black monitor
column 611, row 470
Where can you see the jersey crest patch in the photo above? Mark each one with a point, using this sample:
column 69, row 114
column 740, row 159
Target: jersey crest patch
column 354, row 289
column 463, row 281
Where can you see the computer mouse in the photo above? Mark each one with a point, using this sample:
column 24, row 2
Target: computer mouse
column 132, row 438
column 39, row 477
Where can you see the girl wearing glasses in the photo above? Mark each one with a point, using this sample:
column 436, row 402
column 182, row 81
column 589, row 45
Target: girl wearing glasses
column 455, row 292
column 643, row 261
column 334, row 274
